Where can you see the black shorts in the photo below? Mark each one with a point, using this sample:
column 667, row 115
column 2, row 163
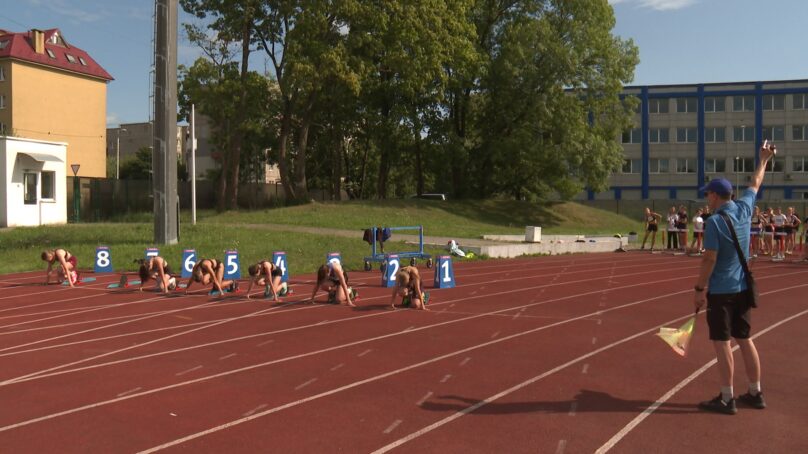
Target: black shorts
column 652, row 228
column 787, row 230
column 728, row 314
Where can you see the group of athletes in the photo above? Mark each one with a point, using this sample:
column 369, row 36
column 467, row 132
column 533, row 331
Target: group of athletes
column 774, row 233
column 331, row 278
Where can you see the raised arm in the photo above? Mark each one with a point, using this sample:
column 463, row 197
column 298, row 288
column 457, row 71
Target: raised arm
column 766, row 153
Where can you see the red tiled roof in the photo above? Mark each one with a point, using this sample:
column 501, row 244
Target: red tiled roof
column 20, row 46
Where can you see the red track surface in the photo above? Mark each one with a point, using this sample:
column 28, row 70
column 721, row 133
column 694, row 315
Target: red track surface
column 531, row 355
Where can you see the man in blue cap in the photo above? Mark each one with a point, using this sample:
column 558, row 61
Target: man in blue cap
column 721, row 286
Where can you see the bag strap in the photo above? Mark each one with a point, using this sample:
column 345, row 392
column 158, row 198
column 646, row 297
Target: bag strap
column 737, row 244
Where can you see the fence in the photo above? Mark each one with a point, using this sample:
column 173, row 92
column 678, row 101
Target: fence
column 103, row 198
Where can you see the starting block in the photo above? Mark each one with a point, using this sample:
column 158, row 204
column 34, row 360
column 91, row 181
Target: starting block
column 124, row 282
column 81, row 281
column 284, row 291
column 444, row 272
column 391, row 266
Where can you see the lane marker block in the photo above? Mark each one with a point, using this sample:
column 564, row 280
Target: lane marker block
column 444, row 272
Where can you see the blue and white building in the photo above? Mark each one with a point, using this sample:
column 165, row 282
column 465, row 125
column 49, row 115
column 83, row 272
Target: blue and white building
column 687, row 134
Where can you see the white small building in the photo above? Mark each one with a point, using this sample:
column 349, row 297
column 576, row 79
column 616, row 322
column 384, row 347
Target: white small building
column 33, row 182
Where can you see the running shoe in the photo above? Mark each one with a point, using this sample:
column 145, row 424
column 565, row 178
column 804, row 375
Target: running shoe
column 718, row 405
column 756, row 401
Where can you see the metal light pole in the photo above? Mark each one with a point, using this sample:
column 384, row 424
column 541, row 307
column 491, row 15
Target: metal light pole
column 118, row 153
column 737, row 173
column 193, row 165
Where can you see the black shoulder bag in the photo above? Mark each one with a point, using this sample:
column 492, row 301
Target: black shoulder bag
column 751, row 289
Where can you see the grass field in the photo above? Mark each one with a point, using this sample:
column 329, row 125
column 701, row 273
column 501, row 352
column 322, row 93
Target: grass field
column 215, row 232
column 461, row 219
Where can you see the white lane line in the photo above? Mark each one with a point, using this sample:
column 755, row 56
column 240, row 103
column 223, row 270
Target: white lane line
column 304, row 384
column 556, row 369
column 364, row 352
column 423, row 399
column 178, row 374
column 466, row 360
column 562, row 445
column 516, row 316
column 452, row 305
column 337, row 367
column 594, row 340
column 495, row 335
column 600, row 321
column 393, row 426
column 409, row 328
column 665, row 397
column 265, row 342
column 227, row 356
column 522, row 309
column 446, row 378
column 133, row 390
column 258, row 408
column 585, row 368
column 323, row 321
column 573, row 408
column 362, row 382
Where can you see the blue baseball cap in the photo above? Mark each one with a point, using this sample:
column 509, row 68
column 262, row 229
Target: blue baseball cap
column 720, row 186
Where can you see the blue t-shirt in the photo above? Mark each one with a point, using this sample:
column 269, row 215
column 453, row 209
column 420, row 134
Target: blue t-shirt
column 728, row 276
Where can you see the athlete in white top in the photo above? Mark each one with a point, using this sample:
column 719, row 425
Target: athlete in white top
column 779, row 220
column 698, row 233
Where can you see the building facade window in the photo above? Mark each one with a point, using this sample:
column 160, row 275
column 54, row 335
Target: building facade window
column 717, row 165
column 799, row 102
column 714, row 104
column 774, row 102
column 776, row 165
column 70, row 58
column 743, row 165
column 715, row 135
column 743, row 103
column 2, row 73
column 685, row 165
column 686, row 135
column 659, row 135
column 47, row 188
column 2, row 102
column 659, row 166
column 799, row 164
column 799, row 132
column 29, row 188
column 741, row 134
column 632, row 166
column 50, row 53
column 658, row 106
column 686, row 105
column 632, row 136
column 776, row 133
column 2, row 129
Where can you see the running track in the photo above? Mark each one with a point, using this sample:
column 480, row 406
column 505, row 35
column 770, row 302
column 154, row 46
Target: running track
column 553, row 354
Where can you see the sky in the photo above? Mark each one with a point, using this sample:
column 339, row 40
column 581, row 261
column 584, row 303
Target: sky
column 680, row 41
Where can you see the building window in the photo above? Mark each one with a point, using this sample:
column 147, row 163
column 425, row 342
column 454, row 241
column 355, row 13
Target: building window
column 686, row 135
column 658, row 106
column 685, row 165
column 715, row 165
column 741, row 134
column 799, row 164
column 659, row 166
column 70, row 58
column 743, row 103
column 743, row 165
column 799, row 102
column 632, row 136
column 715, row 135
column 774, row 102
column 799, row 132
column 29, row 183
column 2, row 74
column 2, row 101
column 776, row 165
column 4, row 43
column 81, row 60
column 774, row 133
column 48, row 185
column 2, row 129
column 714, row 104
column 50, row 53
column 659, row 135
column 632, row 166
column 686, row 105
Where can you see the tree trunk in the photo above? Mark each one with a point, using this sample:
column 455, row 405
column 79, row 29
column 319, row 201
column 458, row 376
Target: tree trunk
column 235, row 155
column 302, row 141
column 283, row 154
column 419, row 166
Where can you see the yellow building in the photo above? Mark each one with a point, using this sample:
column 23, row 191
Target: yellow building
column 51, row 90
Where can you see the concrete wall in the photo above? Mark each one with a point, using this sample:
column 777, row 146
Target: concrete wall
column 15, row 164
column 52, row 105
